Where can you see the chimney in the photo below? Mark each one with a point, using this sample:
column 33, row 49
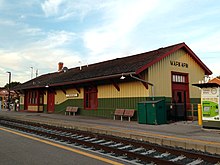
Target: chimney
column 60, row 66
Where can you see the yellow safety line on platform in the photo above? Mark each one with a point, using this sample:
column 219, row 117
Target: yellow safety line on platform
column 159, row 135
column 64, row 147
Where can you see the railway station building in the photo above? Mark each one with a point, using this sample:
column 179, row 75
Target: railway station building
column 98, row 89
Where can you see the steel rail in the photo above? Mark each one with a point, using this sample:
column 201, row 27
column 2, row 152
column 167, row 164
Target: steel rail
column 139, row 144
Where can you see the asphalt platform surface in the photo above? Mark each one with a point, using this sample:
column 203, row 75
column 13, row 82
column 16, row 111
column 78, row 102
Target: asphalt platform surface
column 184, row 134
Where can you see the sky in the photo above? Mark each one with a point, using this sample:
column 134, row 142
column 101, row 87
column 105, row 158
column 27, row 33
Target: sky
column 37, row 34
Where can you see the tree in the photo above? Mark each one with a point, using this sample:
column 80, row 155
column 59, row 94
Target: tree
column 12, row 85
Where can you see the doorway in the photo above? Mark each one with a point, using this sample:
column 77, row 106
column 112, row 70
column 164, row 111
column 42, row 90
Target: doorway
column 26, row 101
column 50, row 101
column 179, row 101
column 180, row 96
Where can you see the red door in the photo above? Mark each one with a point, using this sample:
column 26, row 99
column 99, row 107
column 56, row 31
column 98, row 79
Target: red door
column 50, row 101
column 179, row 100
column 180, row 96
column 26, row 97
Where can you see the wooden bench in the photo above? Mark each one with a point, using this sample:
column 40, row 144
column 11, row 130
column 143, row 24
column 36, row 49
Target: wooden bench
column 124, row 113
column 119, row 112
column 129, row 113
column 70, row 110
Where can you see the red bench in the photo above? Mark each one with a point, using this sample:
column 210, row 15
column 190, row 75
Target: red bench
column 119, row 112
column 70, row 110
column 129, row 113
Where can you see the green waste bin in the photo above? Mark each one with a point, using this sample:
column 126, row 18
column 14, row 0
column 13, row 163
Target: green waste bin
column 152, row 112
column 142, row 113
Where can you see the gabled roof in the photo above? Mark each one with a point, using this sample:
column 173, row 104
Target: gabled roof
column 134, row 64
column 215, row 80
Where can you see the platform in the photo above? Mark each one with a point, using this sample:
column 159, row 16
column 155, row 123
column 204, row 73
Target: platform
column 184, row 134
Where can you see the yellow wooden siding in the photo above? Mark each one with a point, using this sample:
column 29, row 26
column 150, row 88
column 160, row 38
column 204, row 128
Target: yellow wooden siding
column 41, row 108
column 160, row 73
column 127, row 89
column 61, row 96
column 22, row 99
column 45, row 98
column 33, row 108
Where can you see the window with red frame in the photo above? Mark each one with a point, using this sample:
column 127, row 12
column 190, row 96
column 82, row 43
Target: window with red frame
column 32, row 97
column 90, row 98
column 178, row 78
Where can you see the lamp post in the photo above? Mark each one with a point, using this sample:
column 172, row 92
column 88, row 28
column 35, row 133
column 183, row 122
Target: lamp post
column 31, row 72
column 9, row 82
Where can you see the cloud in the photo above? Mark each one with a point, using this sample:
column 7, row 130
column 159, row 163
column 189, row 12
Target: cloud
column 54, row 39
column 64, row 9
column 49, row 58
column 4, row 22
column 45, row 60
column 11, row 59
column 51, row 7
column 40, row 34
column 77, row 9
column 207, row 44
column 120, row 19
column 208, row 50
column 51, row 50
column 12, row 62
column 43, row 55
column 160, row 24
column 29, row 31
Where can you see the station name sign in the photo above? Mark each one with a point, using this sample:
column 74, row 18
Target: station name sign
column 179, row 64
column 72, row 95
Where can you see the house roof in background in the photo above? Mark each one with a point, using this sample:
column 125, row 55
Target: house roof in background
column 109, row 69
column 215, row 80
column 3, row 91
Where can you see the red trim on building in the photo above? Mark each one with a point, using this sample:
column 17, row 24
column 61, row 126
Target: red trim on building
column 50, row 101
column 180, row 95
column 191, row 53
column 195, row 57
column 90, row 98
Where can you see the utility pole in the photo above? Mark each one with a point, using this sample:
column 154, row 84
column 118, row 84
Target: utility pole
column 9, row 82
column 36, row 72
column 31, row 72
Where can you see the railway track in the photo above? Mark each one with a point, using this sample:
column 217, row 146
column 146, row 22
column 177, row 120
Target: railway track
column 134, row 152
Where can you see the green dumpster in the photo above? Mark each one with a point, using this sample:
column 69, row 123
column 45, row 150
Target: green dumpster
column 142, row 113
column 152, row 112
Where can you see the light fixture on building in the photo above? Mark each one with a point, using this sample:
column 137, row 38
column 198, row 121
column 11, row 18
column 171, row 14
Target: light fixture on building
column 122, row 77
column 47, row 86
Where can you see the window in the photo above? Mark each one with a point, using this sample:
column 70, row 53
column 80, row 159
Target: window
column 179, row 78
column 41, row 99
column 90, row 98
column 32, row 97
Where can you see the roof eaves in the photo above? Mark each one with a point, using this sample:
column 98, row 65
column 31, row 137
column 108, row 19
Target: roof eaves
column 91, row 79
column 30, row 87
column 206, row 85
column 182, row 45
column 160, row 58
column 195, row 57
